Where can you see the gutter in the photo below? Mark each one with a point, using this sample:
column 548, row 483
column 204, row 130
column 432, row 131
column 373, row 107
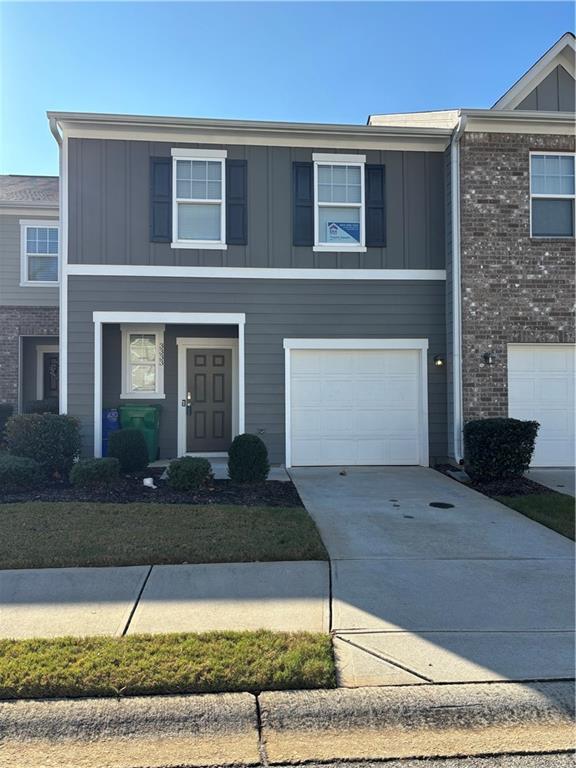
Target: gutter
column 458, row 409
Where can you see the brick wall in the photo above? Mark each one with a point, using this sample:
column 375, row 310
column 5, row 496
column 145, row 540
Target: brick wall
column 16, row 322
column 514, row 289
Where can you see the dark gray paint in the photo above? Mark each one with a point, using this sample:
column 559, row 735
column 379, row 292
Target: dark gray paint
column 275, row 309
column 109, row 209
column 30, row 345
column 554, row 94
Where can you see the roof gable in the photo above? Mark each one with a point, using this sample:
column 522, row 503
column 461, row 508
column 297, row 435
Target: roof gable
column 548, row 81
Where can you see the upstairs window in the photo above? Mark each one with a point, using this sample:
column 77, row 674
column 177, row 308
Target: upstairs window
column 199, row 209
column 142, row 362
column 39, row 249
column 552, row 194
column 339, row 202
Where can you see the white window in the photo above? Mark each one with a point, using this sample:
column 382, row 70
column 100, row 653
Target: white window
column 142, row 361
column 552, row 195
column 39, row 252
column 339, row 202
column 199, row 191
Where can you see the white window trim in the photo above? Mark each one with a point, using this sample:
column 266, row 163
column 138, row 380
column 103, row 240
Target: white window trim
column 186, row 343
column 158, row 331
column 324, row 159
column 217, row 155
column 41, row 350
column 46, row 224
column 421, row 345
column 543, row 196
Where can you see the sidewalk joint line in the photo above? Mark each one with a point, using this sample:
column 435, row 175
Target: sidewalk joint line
column 261, row 743
column 386, row 659
column 137, row 602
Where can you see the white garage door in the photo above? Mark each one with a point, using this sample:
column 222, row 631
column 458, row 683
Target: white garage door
column 356, row 407
column 541, row 388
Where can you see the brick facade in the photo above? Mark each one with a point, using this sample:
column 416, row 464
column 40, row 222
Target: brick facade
column 16, row 322
column 515, row 289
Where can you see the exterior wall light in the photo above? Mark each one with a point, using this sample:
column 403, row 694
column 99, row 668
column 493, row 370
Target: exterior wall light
column 488, row 358
column 439, row 361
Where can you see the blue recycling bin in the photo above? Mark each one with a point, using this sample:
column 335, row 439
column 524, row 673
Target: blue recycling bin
column 110, row 423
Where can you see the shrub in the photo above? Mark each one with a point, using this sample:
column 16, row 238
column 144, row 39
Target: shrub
column 129, row 447
column 189, row 473
column 91, row 473
column 498, row 448
column 18, row 473
column 50, row 405
column 6, row 410
column 248, row 460
column 49, row 439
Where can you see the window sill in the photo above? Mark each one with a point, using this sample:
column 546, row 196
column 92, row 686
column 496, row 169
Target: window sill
column 340, row 249
column 40, row 283
column 207, row 246
column 142, row 396
column 552, row 238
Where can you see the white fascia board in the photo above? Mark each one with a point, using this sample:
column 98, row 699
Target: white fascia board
column 253, row 273
column 197, row 318
column 421, row 344
column 521, row 121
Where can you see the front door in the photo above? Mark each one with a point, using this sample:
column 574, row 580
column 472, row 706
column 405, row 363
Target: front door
column 50, row 375
column 208, row 400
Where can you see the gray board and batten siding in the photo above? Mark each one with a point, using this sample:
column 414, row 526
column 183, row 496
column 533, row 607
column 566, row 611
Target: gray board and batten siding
column 554, row 94
column 109, row 202
column 275, row 309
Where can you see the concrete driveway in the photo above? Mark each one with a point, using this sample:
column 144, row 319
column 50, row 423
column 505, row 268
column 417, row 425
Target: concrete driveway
column 470, row 591
column 560, row 479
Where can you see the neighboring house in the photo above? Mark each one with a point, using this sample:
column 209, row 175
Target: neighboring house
column 350, row 293
column 29, row 292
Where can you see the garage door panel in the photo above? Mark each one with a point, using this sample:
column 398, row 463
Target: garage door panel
column 355, row 407
column 541, row 388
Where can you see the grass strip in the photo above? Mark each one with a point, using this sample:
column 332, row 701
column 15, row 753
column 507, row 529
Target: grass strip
column 68, row 534
column 554, row 510
column 211, row 662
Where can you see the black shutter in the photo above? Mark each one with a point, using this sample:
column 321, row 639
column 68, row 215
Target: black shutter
column 161, row 199
column 236, row 202
column 375, row 200
column 303, row 203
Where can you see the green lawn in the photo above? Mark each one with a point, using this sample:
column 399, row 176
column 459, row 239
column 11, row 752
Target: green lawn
column 177, row 663
column 63, row 534
column 554, row 510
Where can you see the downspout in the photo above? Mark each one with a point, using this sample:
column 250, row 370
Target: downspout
column 458, row 412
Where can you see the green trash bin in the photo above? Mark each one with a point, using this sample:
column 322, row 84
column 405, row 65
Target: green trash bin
column 146, row 418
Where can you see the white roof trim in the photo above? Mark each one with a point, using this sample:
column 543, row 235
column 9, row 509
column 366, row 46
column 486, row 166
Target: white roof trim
column 556, row 55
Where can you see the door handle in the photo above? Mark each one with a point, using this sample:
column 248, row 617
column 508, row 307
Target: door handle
column 189, row 403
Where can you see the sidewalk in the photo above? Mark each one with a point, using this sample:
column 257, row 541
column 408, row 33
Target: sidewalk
column 52, row 602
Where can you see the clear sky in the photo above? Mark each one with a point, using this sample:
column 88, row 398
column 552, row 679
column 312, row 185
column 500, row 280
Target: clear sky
column 319, row 62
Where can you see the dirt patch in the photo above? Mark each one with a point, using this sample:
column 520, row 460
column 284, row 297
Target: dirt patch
column 272, row 493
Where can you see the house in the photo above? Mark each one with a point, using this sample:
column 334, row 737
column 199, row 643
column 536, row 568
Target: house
column 29, row 290
column 353, row 294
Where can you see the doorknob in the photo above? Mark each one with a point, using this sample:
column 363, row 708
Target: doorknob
column 189, row 402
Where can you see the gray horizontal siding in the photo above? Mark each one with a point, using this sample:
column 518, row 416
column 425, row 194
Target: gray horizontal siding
column 12, row 294
column 109, row 210
column 275, row 309
column 554, row 94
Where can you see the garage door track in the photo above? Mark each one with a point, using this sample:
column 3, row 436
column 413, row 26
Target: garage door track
column 433, row 582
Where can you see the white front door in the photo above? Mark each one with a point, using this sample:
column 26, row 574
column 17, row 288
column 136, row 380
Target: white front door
column 358, row 407
column 541, row 388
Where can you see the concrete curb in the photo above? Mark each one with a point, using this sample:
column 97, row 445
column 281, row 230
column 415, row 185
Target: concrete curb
column 396, row 722
column 417, row 721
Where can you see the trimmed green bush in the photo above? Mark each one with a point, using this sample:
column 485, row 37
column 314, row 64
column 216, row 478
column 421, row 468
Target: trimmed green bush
column 189, row 473
column 20, row 474
column 6, row 410
column 50, row 405
column 498, row 448
column 129, row 447
column 248, row 460
column 50, row 439
column 92, row 473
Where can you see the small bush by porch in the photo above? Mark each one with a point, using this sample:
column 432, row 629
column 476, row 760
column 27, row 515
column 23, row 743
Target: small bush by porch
column 50, row 535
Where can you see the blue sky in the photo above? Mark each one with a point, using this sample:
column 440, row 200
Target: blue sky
column 318, row 62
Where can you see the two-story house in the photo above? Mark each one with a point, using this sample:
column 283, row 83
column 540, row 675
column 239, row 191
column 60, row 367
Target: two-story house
column 29, row 290
column 353, row 294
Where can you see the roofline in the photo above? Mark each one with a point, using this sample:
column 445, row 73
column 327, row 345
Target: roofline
column 150, row 121
column 31, row 204
column 520, row 115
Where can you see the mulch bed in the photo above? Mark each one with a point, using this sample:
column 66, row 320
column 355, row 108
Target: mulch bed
column 519, row 486
column 272, row 493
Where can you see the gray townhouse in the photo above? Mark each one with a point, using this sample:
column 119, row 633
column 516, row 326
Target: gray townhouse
column 29, row 290
column 353, row 294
